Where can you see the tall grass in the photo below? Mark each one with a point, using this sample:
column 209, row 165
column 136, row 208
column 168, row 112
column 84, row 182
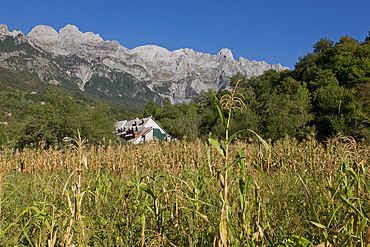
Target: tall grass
column 169, row 194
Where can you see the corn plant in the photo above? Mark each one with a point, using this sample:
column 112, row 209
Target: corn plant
column 344, row 219
column 229, row 103
column 3, row 201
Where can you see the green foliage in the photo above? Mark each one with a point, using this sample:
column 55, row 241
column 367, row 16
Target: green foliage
column 344, row 199
column 178, row 120
column 3, row 138
column 60, row 115
column 150, row 109
column 367, row 39
column 336, row 75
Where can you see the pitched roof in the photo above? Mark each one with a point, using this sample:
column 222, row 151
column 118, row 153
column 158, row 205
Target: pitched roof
column 120, row 124
column 138, row 122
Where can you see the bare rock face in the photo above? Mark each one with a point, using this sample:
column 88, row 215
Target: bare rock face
column 44, row 35
column 3, row 28
column 66, row 42
column 4, row 32
column 179, row 75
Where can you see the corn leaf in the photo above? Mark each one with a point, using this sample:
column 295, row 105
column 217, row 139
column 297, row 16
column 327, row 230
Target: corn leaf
column 319, row 225
column 367, row 238
column 361, row 227
column 208, row 151
column 144, row 188
column 238, row 159
column 9, row 226
column 333, row 215
column 232, row 137
column 334, row 192
column 218, row 146
column 260, row 139
column 307, row 194
column 353, row 173
column 217, row 106
column 350, row 205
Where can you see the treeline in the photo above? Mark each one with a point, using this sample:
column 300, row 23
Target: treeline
column 327, row 93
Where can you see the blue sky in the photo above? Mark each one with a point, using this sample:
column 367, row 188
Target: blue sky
column 273, row 31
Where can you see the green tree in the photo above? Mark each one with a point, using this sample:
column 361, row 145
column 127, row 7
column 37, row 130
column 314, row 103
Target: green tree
column 189, row 122
column 150, row 109
column 97, row 123
column 206, row 112
column 277, row 105
column 238, row 77
column 166, row 103
column 60, row 115
column 180, row 120
column 327, row 92
column 286, row 114
column 323, row 45
column 367, row 39
column 336, row 76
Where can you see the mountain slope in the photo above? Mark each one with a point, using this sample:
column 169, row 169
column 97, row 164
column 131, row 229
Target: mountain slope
column 106, row 69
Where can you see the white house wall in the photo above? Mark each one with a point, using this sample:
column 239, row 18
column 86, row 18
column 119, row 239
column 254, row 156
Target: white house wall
column 152, row 123
column 149, row 136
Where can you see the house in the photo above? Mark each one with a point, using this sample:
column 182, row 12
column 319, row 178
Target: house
column 141, row 130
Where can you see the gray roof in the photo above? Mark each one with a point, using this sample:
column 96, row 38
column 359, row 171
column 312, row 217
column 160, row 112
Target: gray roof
column 138, row 122
column 120, row 124
column 125, row 125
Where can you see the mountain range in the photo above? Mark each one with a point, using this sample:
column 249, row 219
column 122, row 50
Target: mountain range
column 85, row 62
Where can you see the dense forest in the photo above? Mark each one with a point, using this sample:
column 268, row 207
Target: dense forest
column 326, row 94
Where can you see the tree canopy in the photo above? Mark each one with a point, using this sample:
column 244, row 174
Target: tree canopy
column 61, row 115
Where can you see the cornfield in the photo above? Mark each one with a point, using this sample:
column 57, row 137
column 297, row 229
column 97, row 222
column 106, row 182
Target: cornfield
column 170, row 194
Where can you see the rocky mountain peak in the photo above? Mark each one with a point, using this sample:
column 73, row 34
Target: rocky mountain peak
column 225, row 55
column 71, row 32
column 43, row 34
column 65, row 42
column 3, row 28
column 4, row 31
column 151, row 51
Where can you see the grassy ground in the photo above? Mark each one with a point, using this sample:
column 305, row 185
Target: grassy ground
column 170, row 194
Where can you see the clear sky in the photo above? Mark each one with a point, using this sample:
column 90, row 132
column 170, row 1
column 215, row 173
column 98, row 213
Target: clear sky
column 273, row 31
